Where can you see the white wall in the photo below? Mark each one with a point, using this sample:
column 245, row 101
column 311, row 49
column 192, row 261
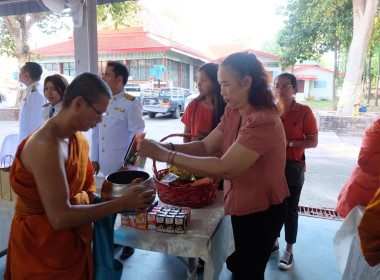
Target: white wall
column 323, row 76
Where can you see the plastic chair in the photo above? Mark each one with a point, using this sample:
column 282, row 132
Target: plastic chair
column 9, row 146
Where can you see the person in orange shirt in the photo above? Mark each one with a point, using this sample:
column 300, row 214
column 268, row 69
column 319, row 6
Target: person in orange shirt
column 365, row 177
column 52, row 176
column 369, row 231
column 301, row 133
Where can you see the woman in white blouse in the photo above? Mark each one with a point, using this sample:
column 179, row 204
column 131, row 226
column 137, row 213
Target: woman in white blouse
column 54, row 89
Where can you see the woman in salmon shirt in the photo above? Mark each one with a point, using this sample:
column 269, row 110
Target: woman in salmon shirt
column 252, row 142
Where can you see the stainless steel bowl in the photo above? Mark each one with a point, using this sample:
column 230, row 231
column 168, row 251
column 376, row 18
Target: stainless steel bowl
column 117, row 183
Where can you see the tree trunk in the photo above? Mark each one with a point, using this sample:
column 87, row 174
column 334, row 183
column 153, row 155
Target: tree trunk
column 336, row 73
column 369, row 76
column 364, row 19
column 377, row 82
column 19, row 26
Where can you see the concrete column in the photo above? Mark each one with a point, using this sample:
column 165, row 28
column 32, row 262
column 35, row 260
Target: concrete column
column 86, row 41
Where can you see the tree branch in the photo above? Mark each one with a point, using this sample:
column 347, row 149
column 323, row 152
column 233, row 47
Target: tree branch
column 33, row 19
column 12, row 26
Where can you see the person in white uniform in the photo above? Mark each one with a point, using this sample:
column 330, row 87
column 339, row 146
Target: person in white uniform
column 123, row 119
column 54, row 89
column 30, row 109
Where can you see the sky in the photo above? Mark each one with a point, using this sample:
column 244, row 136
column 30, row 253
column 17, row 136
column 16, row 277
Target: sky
column 209, row 21
column 225, row 21
column 205, row 21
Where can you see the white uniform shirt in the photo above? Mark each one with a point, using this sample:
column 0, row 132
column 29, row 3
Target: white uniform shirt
column 111, row 137
column 30, row 110
column 47, row 107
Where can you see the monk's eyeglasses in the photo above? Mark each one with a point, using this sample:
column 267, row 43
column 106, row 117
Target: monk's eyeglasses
column 100, row 115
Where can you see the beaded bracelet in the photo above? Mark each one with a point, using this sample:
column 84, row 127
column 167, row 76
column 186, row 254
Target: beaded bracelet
column 172, row 160
column 168, row 159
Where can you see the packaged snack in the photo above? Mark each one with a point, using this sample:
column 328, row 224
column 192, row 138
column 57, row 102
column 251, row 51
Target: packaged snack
column 169, row 177
column 187, row 210
column 179, row 223
column 160, row 222
column 152, row 220
column 141, row 221
column 128, row 220
column 169, row 223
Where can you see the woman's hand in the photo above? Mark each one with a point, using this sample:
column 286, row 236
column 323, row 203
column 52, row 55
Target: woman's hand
column 153, row 150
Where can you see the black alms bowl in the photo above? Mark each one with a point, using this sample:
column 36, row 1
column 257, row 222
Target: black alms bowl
column 117, row 183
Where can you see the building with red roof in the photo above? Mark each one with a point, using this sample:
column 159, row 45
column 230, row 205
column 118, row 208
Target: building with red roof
column 136, row 47
column 140, row 49
column 314, row 82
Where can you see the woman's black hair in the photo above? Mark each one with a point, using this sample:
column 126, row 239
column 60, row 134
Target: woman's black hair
column 290, row 76
column 60, row 83
column 247, row 64
column 211, row 70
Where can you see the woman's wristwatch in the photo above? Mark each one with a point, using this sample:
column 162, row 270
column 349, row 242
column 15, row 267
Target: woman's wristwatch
column 290, row 144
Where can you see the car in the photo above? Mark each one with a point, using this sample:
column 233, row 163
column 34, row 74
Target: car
column 191, row 97
column 139, row 90
column 169, row 100
column 133, row 89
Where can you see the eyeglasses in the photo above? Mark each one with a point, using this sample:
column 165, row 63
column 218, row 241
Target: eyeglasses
column 282, row 86
column 100, row 115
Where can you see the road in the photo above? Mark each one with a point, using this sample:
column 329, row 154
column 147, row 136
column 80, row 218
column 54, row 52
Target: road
column 328, row 166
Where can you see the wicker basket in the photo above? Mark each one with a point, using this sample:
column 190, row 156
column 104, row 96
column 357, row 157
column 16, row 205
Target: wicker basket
column 194, row 196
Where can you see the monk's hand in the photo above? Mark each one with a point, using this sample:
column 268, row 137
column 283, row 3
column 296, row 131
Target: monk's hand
column 152, row 149
column 96, row 167
column 136, row 199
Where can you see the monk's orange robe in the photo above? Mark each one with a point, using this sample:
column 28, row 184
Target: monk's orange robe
column 365, row 178
column 369, row 231
column 35, row 249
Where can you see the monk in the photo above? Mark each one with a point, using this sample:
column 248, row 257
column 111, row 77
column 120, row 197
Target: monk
column 52, row 176
column 369, row 231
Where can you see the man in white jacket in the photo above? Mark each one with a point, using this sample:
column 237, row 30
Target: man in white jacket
column 31, row 107
column 123, row 119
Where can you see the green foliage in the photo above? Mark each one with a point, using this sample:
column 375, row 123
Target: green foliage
column 51, row 24
column 7, row 45
column 318, row 105
column 118, row 14
column 272, row 47
column 311, row 28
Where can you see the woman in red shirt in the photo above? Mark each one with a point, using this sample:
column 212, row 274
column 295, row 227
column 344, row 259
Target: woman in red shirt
column 203, row 114
column 301, row 133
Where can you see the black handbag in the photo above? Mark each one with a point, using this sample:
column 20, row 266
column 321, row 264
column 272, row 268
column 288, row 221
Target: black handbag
column 295, row 173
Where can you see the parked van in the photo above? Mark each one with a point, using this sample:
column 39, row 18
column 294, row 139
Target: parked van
column 139, row 91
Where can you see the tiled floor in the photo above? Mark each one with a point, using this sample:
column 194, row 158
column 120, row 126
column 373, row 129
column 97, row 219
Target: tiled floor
column 314, row 258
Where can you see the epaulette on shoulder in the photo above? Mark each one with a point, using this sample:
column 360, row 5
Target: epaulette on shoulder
column 46, row 104
column 129, row 97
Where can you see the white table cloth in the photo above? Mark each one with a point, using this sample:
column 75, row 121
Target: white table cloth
column 209, row 237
